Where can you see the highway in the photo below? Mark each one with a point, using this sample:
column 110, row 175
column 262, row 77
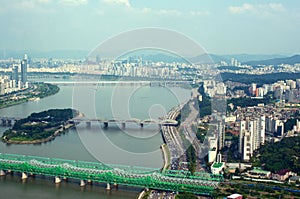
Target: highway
column 176, row 148
column 175, row 143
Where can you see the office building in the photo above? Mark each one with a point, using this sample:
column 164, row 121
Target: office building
column 15, row 73
column 24, row 66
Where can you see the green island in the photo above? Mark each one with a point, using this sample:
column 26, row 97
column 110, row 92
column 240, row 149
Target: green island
column 40, row 127
column 37, row 91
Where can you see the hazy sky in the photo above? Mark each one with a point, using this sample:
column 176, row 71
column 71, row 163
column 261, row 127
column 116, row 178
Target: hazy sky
column 223, row 27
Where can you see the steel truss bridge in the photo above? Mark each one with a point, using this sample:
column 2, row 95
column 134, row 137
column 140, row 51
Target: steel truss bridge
column 168, row 180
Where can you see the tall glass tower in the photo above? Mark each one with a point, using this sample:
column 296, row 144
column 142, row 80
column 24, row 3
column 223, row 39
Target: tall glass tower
column 15, row 73
column 24, row 65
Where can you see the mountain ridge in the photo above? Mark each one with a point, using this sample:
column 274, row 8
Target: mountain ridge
column 276, row 61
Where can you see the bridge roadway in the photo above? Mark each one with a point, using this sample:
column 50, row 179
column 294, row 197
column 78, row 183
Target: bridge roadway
column 168, row 180
column 9, row 121
column 136, row 83
column 88, row 121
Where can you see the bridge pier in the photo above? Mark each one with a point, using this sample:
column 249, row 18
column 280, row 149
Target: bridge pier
column 24, row 176
column 89, row 124
column 9, row 122
column 2, row 173
column 160, row 127
column 105, row 124
column 82, row 183
column 108, row 186
column 3, row 122
column 123, row 125
column 57, row 180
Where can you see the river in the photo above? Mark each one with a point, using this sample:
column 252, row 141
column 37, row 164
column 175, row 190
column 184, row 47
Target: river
column 130, row 146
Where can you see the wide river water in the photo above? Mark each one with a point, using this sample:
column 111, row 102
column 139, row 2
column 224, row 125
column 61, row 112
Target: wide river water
column 133, row 145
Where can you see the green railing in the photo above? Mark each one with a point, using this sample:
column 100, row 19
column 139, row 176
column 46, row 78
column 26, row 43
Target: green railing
column 169, row 180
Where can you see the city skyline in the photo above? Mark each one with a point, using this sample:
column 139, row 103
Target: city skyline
column 254, row 27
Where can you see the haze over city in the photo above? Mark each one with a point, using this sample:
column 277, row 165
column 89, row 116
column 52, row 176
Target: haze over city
column 149, row 99
column 221, row 27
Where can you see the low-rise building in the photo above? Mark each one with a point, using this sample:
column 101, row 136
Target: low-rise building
column 257, row 172
column 235, row 196
column 218, row 166
column 282, row 175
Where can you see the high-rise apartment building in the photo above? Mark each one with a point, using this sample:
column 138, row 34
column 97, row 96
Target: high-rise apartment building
column 24, row 66
column 15, row 73
column 221, row 135
column 251, row 136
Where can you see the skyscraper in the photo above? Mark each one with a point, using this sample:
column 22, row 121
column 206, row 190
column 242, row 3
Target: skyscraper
column 221, row 135
column 252, row 136
column 24, row 65
column 15, row 73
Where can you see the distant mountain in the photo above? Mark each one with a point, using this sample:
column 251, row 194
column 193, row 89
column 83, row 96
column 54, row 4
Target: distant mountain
column 160, row 57
column 276, row 61
column 208, row 58
column 155, row 56
column 252, row 57
column 55, row 54
column 200, row 59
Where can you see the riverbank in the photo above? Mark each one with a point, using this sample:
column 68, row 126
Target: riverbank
column 39, row 141
column 38, row 91
column 166, row 156
column 40, row 127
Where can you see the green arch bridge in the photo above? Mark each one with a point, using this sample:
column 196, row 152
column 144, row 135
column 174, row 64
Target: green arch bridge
column 169, row 180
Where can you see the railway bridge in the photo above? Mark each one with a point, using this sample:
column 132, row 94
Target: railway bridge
column 169, row 180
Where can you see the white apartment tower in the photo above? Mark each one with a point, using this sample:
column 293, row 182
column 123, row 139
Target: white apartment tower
column 247, row 146
column 252, row 136
column 221, row 135
column 262, row 129
column 241, row 136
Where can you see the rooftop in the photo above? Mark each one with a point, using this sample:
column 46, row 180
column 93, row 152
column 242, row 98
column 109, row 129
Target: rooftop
column 217, row 165
column 235, row 195
column 259, row 170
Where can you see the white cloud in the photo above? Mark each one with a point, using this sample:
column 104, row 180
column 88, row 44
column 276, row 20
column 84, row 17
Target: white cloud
column 25, row 5
column 118, row 2
column 146, row 10
column 73, row 2
column 262, row 9
column 43, row 1
column 277, row 7
column 38, row 6
column 199, row 13
column 169, row 12
column 241, row 9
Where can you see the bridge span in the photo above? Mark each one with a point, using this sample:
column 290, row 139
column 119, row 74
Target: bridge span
column 169, row 180
column 123, row 122
column 9, row 121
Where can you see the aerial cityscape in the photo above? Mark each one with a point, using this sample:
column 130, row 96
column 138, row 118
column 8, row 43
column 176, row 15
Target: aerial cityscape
column 137, row 99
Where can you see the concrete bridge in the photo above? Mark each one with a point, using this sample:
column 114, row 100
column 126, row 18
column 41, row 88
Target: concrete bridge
column 88, row 172
column 141, row 123
column 8, row 121
column 120, row 83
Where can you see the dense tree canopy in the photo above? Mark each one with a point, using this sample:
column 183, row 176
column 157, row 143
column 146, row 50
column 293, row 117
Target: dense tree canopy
column 280, row 155
column 39, row 125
